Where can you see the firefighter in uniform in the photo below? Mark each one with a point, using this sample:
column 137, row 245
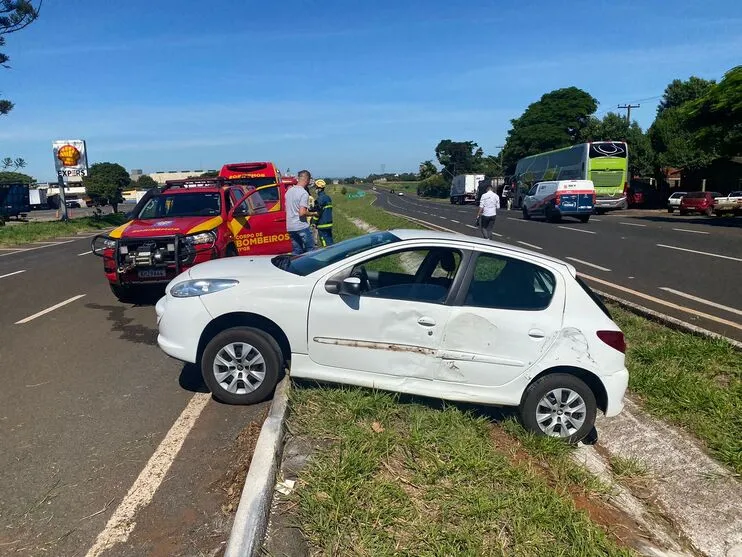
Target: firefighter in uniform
column 323, row 210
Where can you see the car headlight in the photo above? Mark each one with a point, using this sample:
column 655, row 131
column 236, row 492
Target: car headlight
column 201, row 238
column 108, row 243
column 199, row 287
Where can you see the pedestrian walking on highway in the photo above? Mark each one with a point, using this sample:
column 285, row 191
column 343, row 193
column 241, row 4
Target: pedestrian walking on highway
column 489, row 203
column 297, row 207
column 323, row 209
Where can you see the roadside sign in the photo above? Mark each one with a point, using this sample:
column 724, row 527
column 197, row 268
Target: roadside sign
column 70, row 159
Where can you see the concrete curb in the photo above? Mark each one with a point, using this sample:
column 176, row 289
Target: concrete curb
column 251, row 519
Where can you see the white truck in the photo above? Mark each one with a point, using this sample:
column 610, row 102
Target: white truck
column 37, row 198
column 732, row 203
column 464, row 188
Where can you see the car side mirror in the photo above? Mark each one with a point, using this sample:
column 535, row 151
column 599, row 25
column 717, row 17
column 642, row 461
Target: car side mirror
column 332, row 286
column 352, row 286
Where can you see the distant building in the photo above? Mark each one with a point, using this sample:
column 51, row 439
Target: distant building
column 135, row 174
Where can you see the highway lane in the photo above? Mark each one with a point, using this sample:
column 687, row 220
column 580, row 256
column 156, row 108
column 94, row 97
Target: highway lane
column 87, row 399
column 686, row 267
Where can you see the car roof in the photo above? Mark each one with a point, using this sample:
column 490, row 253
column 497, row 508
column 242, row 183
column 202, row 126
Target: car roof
column 200, row 189
column 410, row 234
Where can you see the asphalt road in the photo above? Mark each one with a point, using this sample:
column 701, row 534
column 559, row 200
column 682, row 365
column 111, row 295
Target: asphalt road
column 88, row 405
column 687, row 267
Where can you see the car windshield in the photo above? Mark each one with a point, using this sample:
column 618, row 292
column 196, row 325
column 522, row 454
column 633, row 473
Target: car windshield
column 182, row 205
column 736, row 194
column 308, row 263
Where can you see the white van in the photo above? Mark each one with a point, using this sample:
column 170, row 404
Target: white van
column 563, row 198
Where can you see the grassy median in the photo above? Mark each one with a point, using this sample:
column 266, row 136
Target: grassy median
column 688, row 380
column 399, row 477
column 16, row 234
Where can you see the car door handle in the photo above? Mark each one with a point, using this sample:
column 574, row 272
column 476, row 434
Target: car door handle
column 426, row 322
column 280, row 220
column 536, row 333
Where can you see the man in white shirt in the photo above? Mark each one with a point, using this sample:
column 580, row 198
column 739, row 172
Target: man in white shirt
column 489, row 203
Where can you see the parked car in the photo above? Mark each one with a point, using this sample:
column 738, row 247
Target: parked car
column 699, row 202
column 673, row 202
column 419, row 312
column 73, row 204
column 731, row 203
column 643, row 195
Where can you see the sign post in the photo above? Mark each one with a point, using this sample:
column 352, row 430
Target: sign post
column 71, row 163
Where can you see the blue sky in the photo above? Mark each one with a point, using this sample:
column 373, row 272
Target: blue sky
column 340, row 87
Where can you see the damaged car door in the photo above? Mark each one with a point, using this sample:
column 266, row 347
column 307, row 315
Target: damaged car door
column 508, row 314
column 384, row 316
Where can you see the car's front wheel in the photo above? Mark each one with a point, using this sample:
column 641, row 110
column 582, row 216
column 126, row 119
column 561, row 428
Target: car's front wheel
column 241, row 365
column 670, row 210
column 559, row 405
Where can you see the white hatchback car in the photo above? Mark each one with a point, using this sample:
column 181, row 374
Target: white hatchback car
column 419, row 312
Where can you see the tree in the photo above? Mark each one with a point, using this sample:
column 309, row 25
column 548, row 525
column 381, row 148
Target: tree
column 556, row 120
column 670, row 134
column 14, row 16
column 715, row 119
column 145, row 182
column 434, row 186
column 490, row 166
column 458, row 157
column 427, row 169
column 15, row 178
column 679, row 92
column 15, row 164
column 614, row 127
column 105, row 182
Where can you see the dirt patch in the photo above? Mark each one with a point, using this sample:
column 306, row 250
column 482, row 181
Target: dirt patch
column 619, row 525
column 234, row 479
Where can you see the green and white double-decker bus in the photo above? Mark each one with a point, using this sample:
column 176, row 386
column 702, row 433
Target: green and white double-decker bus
column 606, row 163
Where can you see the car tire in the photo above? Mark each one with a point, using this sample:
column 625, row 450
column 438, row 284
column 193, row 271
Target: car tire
column 551, row 215
column 670, row 210
column 683, row 212
column 584, row 218
column 124, row 294
column 223, row 365
column 540, row 408
column 717, row 213
column 526, row 214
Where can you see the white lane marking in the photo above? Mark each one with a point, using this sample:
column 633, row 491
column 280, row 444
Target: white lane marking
column 37, row 247
column 457, row 222
column 13, row 249
column 500, row 235
column 444, row 218
column 45, row 242
column 697, row 299
column 471, row 226
column 529, row 245
column 84, row 253
column 122, row 523
column 632, row 224
column 13, row 273
column 47, row 310
column 593, row 265
column 701, row 252
column 691, row 231
column 596, row 220
column 663, row 302
column 578, row 229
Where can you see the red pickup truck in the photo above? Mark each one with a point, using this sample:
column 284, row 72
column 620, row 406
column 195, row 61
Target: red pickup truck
column 188, row 222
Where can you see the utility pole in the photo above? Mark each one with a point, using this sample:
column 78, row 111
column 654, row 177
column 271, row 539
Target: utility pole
column 628, row 108
column 502, row 170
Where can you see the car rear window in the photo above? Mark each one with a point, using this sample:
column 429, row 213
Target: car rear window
column 594, row 297
column 695, row 194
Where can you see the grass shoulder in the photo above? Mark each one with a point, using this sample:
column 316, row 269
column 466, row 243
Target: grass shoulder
column 17, row 234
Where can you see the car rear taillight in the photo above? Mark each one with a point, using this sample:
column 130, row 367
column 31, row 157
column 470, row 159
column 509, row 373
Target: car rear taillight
column 614, row 339
column 626, row 189
column 557, row 199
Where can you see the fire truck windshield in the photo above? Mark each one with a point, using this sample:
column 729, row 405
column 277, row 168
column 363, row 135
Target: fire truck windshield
column 182, row 205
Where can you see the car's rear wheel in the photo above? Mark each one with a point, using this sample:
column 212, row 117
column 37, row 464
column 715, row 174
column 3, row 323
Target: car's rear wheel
column 241, row 365
column 683, row 212
column 584, row 218
column 526, row 214
column 552, row 215
column 670, row 210
column 708, row 212
column 559, row 405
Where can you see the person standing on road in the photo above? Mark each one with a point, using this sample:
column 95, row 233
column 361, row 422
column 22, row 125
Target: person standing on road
column 297, row 207
column 323, row 209
column 489, row 203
